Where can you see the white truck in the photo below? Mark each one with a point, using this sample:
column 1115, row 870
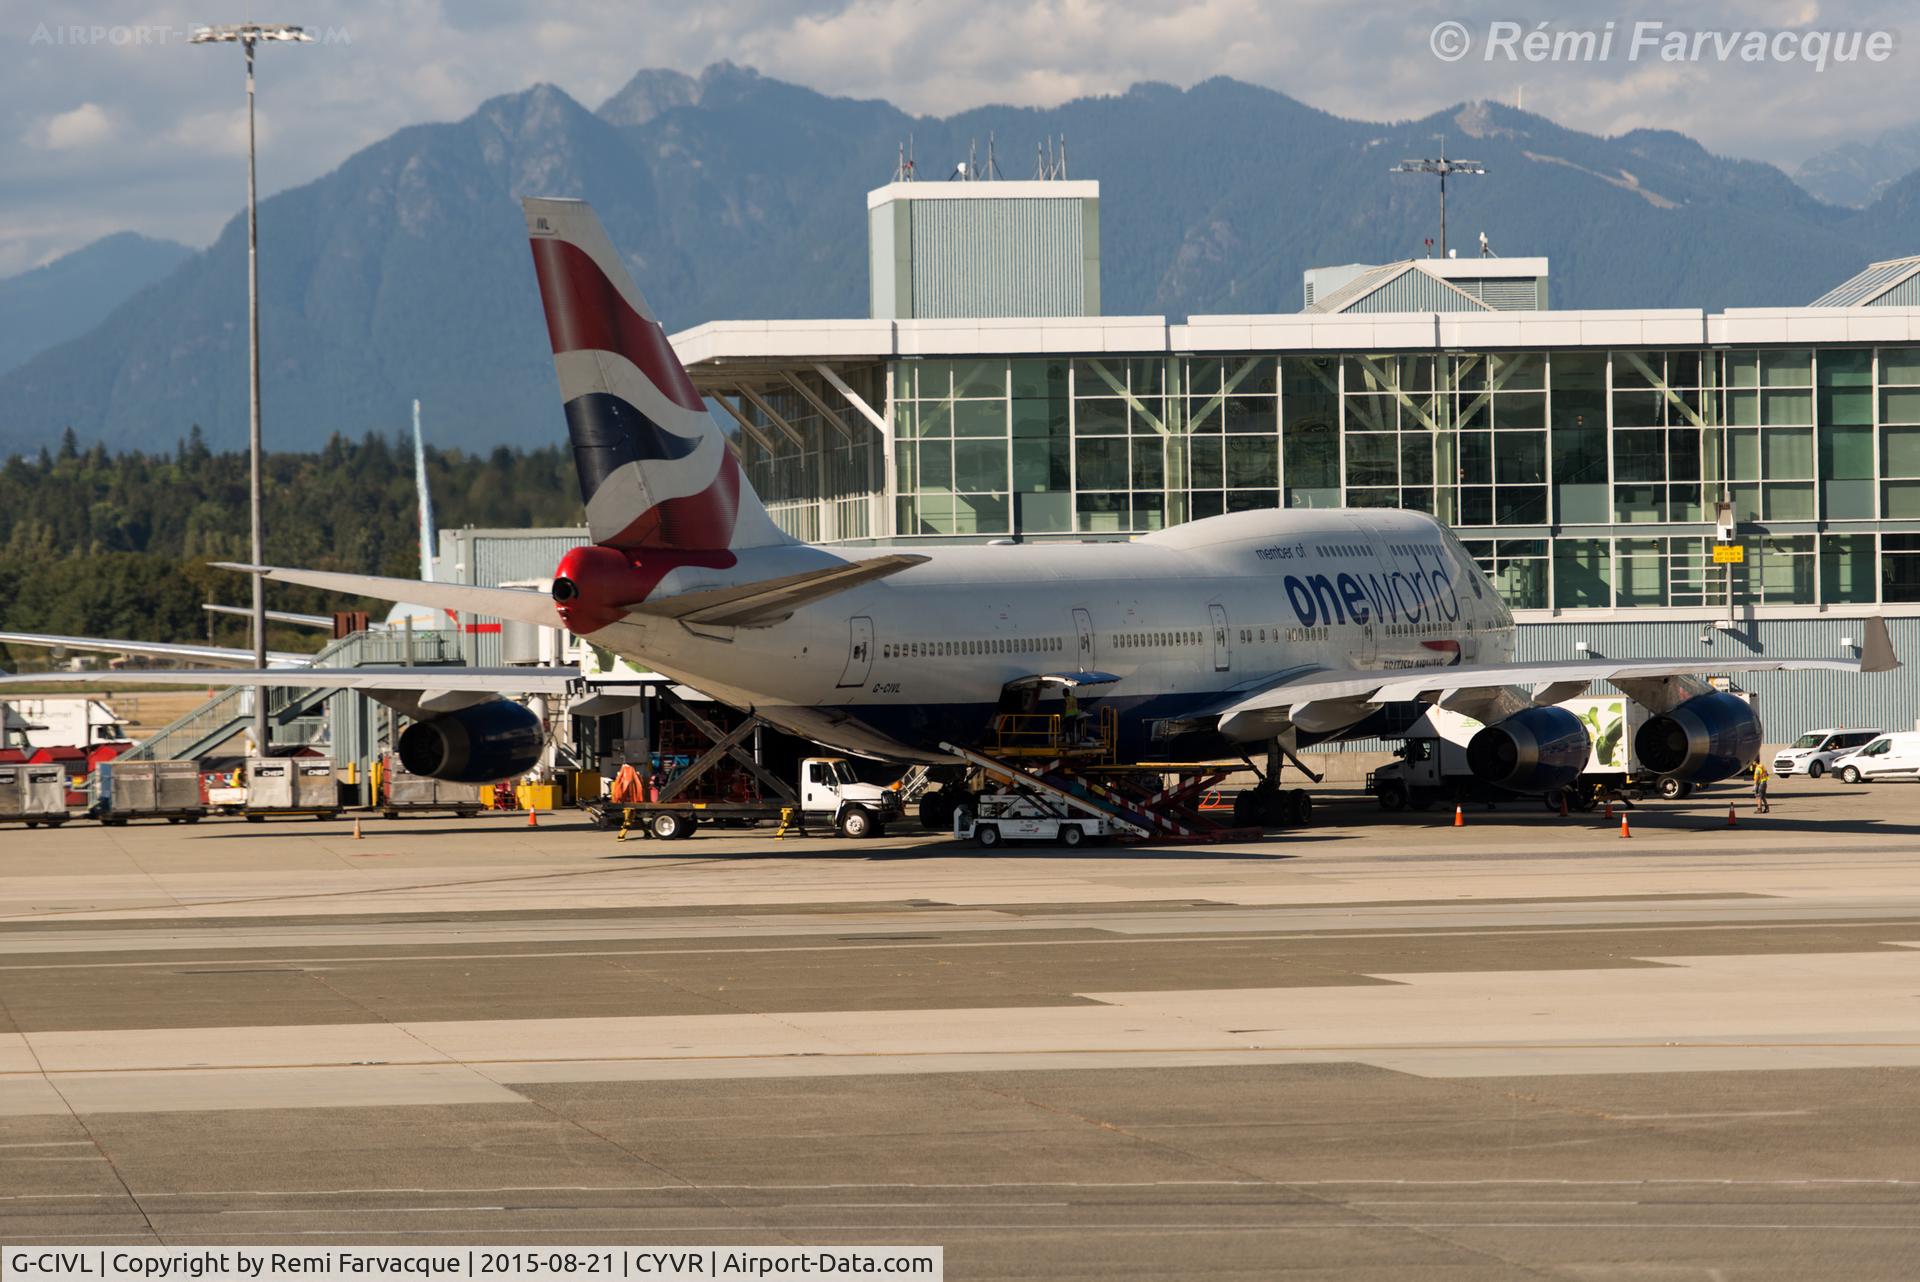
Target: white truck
column 1432, row 761
column 829, row 790
column 995, row 818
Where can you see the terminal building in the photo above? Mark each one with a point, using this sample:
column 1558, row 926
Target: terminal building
column 1667, row 480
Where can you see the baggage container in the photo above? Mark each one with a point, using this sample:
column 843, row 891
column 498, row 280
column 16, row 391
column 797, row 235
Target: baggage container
column 33, row 794
column 128, row 790
column 291, row 786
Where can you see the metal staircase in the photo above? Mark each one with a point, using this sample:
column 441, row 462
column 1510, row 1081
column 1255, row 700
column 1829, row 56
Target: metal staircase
column 296, row 710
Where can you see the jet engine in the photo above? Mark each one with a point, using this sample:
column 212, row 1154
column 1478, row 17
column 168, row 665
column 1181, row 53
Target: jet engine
column 480, row 744
column 1709, row 737
column 1537, row 750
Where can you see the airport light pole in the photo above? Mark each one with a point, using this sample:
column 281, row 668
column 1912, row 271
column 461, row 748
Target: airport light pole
column 247, row 35
column 1440, row 166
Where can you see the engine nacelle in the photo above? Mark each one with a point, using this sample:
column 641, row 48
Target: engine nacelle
column 1709, row 737
column 480, row 744
column 1533, row 751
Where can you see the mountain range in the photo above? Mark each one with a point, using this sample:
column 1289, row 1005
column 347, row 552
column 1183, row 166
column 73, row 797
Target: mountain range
column 47, row 306
column 404, row 272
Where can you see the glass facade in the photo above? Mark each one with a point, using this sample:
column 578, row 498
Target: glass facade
column 1581, row 479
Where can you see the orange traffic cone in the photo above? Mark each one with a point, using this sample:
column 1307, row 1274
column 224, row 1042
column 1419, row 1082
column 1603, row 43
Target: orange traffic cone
column 1732, row 822
column 1624, row 830
column 1459, row 817
column 356, row 827
column 533, row 817
column 1563, row 803
column 1609, row 813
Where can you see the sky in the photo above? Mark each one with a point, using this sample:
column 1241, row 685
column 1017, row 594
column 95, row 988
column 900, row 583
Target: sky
column 111, row 121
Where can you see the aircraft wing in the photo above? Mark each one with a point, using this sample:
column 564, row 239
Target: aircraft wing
column 770, row 600
column 275, row 616
column 524, row 604
column 219, row 654
column 1329, row 700
column 372, row 680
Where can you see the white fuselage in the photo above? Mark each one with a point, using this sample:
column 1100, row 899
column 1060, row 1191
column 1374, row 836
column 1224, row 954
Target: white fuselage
column 1183, row 618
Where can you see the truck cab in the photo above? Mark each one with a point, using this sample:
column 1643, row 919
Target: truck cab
column 828, row 787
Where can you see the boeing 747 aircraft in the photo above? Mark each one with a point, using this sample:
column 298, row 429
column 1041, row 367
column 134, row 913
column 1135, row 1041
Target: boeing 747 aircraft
column 1253, row 631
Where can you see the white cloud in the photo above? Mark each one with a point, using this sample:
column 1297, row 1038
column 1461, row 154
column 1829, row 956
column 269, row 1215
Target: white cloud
column 85, row 127
column 153, row 144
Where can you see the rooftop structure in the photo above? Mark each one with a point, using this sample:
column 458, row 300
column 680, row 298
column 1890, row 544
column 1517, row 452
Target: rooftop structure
column 1429, row 285
column 988, row 248
column 1894, row 283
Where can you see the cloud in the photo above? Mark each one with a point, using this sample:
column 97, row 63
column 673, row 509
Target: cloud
column 86, row 126
column 153, row 144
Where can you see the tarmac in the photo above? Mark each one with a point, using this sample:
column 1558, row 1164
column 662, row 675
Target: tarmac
column 1381, row 1047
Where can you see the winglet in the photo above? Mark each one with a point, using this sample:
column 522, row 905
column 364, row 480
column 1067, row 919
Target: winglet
column 1876, row 648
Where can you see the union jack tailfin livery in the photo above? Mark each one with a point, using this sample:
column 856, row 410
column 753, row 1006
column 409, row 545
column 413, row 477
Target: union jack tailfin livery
column 654, row 468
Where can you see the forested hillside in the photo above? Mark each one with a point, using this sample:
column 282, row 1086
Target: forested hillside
column 117, row 545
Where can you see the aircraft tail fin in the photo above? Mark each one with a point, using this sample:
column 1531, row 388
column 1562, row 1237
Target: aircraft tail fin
column 655, row 470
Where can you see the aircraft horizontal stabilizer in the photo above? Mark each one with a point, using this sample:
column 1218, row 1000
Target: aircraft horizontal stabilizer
column 523, row 604
column 155, row 649
column 748, row 605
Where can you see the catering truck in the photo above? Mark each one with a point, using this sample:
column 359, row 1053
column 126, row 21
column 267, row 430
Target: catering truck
column 1431, row 763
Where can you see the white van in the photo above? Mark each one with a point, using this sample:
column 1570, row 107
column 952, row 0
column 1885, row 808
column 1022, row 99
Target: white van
column 1814, row 752
column 1890, row 756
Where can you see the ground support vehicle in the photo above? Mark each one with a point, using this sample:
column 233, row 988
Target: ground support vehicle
column 123, row 791
column 997, row 818
column 829, row 793
column 1815, row 752
column 401, row 792
column 291, row 786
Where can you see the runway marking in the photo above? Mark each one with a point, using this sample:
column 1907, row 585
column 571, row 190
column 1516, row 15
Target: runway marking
column 1107, row 941
column 1812, row 1181
column 1662, row 1117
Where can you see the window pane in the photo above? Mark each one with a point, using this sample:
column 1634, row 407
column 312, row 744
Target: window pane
column 1252, row 461
column 1902, row 451
column 980, row 378
column 1251, row 414
column 1372, row 459
column 1789, row 453
column 980, row 465
column 1582, row 575
column 980, row 418
column 1149, row 468
column 1786, row 369
column 1102, row 463
column 1900, row 406
column 1846, row 568
column 1519, row 456
column 1900, row 365
column 1040, row 378
column 1100, row 418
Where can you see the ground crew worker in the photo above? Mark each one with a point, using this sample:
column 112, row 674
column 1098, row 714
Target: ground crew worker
column 1760, row 777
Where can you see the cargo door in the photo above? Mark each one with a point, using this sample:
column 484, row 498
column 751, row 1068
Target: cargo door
column 859, row 652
